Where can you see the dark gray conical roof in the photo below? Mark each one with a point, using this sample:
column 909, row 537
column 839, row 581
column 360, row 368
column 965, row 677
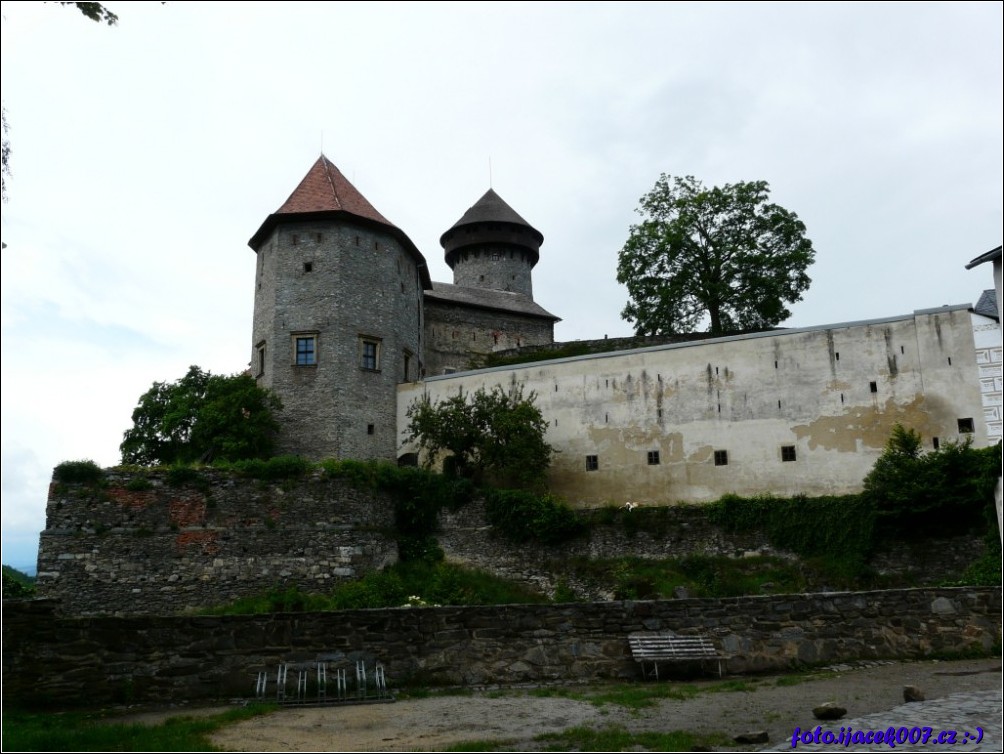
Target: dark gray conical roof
column 491, row 208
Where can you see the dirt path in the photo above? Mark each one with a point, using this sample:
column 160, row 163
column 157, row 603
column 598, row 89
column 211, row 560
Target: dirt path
column 436, row 722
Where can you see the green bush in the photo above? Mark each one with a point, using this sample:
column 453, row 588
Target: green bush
column 78, row 472
column 830, row 525
column 17, row 585
column 418, row 494
column 180, row 475
column 526, row 516
column 139, row 484
column 423, row 549
column 944, row 491
column 984, row 571
column 273, row 469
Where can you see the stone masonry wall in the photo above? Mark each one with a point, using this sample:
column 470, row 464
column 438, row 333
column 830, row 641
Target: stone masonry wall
column 456, row 335
column 56, row 660
column 119, row 548
column 138, row 544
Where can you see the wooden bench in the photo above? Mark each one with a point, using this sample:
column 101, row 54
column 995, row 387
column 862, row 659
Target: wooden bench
column 657, row 646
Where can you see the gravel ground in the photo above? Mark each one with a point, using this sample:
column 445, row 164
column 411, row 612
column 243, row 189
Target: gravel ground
column 433, row 723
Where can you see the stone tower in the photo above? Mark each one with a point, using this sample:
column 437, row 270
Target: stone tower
column 337, row 318
column 489, row 306
column 492, row 247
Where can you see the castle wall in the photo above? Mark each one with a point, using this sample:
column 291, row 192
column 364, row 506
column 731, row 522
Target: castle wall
column 55, row 660
column 138, row 544
column 344, row 285
column 454, row 334
column 788, row 412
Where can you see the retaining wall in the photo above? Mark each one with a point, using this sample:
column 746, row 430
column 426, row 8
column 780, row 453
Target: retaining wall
column 49, row 658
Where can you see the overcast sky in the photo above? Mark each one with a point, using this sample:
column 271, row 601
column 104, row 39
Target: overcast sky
column 145, row 155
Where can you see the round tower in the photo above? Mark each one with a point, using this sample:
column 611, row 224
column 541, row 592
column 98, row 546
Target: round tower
column 492, row 247
column 337, row 318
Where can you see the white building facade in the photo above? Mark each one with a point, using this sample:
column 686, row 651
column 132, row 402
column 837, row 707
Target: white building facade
column 799, row 411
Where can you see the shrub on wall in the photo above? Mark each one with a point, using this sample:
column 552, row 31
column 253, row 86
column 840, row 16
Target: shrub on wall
column 943, row 491
column 525, row 516
column 418, row 496
column 78, row 472
column 272, row 469
column 804, row 525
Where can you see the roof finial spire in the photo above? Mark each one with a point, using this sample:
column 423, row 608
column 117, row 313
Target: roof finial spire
column 490, row 171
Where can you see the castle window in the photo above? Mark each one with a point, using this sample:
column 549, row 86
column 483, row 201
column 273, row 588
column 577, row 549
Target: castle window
column 936, row 442
column 304, row 349
column 259, row 366
column 370, row 429
column 873, row 386
column 592, row 463
column 369, row 354
column 787, row 452
column 308, row 266
column 407, row 365
column 966, row 426
column 653, row 458
column 721, row 458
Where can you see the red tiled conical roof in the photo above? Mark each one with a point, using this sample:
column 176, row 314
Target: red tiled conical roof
column 325, row 189
column 325, row 194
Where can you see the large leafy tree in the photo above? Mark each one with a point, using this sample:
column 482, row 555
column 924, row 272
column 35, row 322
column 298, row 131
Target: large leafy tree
column 490, row 435
column 201, row 417
column 725, row 256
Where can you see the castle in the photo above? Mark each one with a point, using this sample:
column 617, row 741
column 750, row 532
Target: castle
column 345, row 310
column 349, row 329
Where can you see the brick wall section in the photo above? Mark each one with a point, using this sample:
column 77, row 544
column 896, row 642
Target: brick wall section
column 49, row 658
column 165, row 549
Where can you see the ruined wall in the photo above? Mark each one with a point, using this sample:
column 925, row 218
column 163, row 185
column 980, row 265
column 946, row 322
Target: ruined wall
column 135, row 543
column 138, row 544
column 682, row 531
column 787, row 412
column 57, row 660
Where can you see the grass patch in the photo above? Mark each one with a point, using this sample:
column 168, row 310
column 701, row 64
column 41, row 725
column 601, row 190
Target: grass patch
column 616, row 738
column 791, row 680
column 77, row 731
column 633, row 578
column 411, row 583
column 488, row 744
column 638, row 696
